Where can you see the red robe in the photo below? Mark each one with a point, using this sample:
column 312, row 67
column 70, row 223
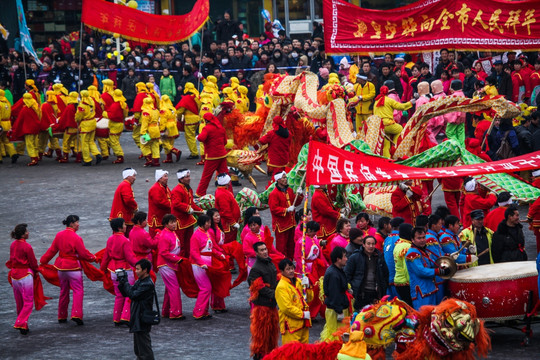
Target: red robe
column 98, row 109
column 107, row 100
column 118, row 254
column 278, row 149
column 159, row 204
column 182, row 202
column 115, row 112
column 67, row 119
column 279, row 201
column 407, row 208
column 138, row 102
column 48, row 116
column 494, row 218
column 324, row 212
column 70, row 249
column 476, row 202
column 27, row 123
column 228, row 208
column 124, row 204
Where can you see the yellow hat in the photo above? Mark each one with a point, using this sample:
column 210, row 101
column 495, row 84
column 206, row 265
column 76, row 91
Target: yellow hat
column 2, row 93
column 27, row 96
column 30, row 82
column 141, row 86
column 118, row 95
column 243, row 90
column 108, row 82
column 234, row 79
column 149, row 85
column 51, row 96
column 212, row 79
column 90, row 88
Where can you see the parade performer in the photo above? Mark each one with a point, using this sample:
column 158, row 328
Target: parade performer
column 425, row 284
column 201, row 252
column 450, row 242
column 119, row 255
column 5, row 123
column 107, row 94
column 384, row 108
column 214, row 139
column 401, row 277
column 250, row 238
column 142, row 93
column 406, row 202
column 61, row 94
column 167, row 125
column 242, row 103
column 495, row 216
column 71, row 251
column 151, row 87
column 207, row 106
column 22, row 276
column 365, row 91
column 27, row 126
column 102, row 132
column 455, row 121
column 476, row 197
column 262, row 282
column 68, row 125
column 324, row 212
column 141, row 241
column 279, row 141
column 189, row 106
column 86, row 117
column 168, row 261
column 480, row 237
column 388, row 247
column 341, row 238
column 436, row 124
column 184, row 208
column 227, row 207
column 294, row 315
column 124, row 204
column 451, row 187
column 116, row 112
column 533, row 218
column 150, row 133
column 282, row 206
column 49, row 114
column 159, row 202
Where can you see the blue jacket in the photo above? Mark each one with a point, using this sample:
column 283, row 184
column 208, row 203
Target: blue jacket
column 423, row 279
column 449, row 244
column 388, row 247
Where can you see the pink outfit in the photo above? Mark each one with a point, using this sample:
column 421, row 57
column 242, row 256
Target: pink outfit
column 168, row 259
column 122, row 305
column 217, row 303
column 201, row 254
column 338, row 240
column 313, row 252
column 298, row 232
column 370, row 231
column 71, row 280
column 436, row 124
column 247, row 245
column 142, row 243
column 23, row 290
column 397, row 113
column 456, row 117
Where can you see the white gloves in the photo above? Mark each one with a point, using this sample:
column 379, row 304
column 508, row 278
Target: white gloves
column 299, row 191
column 455, row 256
column 191, row 211
column 472, row 249
column 474, row 258
column 360, row 97
column 305, row 281
column 409, row 193
column 307, row 315
column 403, row 186
column 236, row 226
column 340, row 317
column 199, row 75
column 413, row 101
column 342, row 216
column 290, row 208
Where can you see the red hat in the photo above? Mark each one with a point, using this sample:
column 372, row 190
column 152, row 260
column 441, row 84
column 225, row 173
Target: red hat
column 278, row 120
column 208, row 116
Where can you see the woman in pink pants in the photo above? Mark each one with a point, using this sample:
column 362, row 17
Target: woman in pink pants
column 202, row 248
column 217, row 303
column 71, row 251
column 167, row 262
column 24, row 267
column 119, row 255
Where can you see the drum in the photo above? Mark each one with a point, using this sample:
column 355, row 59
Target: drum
column 499, row 291
column 102, row 128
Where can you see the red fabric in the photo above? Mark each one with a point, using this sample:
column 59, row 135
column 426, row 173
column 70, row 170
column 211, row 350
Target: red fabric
column 48, row 117
column 279, row 201
column 228, row 208
column 50, row 274
column 278, row 149
column 285, row 243
column 476, row 202
column 118, row 254
column 138, row 25
column 91, row 272
column 115, row 112
column 494, row 218
column 40, row 300
column 181, row 203
column 536, row 183
column 22, row 260
column 220, row 277
column 234, row 249
column 168, row 241
column 70, row 249
column 379, row 100
column 186, row 279
column 404, row 207
column 108, row 100
column 159, row 204
column 214, row 138
column 324, row 212
column 124, row 204
column 139, row 100
column 67, row 118
column 327, row 249
column 27, row 123
column 98, row 109
column 188, row 102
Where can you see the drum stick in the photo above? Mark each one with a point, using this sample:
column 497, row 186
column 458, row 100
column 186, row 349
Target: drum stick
column 488, row 132
column 300, row 186
column 483, row 252
column 431, row 193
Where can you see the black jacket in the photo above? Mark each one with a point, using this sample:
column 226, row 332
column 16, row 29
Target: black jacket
column 128, row 86
column 335, row 287
column 468, row 86
column 63, row 74
column 356, row 267
column 504, row 84
column 142, row 299
column 265, row 269
column 524, row 138
column 508, row 243
column 225, row 29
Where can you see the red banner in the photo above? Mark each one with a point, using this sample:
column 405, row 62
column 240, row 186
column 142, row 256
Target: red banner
column 331, row 165
column 432, row 25
column 137, row 25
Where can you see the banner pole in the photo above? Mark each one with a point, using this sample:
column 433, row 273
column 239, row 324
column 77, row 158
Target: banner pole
column 24, row 61
column 80, row 58
column 200, row 61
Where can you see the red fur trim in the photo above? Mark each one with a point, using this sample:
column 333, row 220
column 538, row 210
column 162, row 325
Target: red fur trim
column 255, row 287
column 298, row 351
column 264, row 330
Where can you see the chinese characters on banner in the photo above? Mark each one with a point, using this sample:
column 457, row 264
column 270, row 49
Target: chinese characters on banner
column 137, row 25
column 331, row 165
column 431, row 25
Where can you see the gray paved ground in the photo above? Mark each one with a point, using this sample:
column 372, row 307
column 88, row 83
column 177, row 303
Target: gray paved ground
column 42, row 196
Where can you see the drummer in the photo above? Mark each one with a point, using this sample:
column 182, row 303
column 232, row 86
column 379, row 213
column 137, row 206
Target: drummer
column 479, row 237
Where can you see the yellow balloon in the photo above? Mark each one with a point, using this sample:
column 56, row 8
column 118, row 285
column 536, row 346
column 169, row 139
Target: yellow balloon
column 121, row 57
column 115, row 52
column 132, row 4
column 128, row 49
column 126, row 44
column 116, row 35
column 108, row 41
column 109, row 55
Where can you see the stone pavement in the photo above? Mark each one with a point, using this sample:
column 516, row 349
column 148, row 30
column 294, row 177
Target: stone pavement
column 43, row 196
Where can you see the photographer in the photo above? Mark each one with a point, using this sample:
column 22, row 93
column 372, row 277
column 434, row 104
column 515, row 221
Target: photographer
column 142, row 296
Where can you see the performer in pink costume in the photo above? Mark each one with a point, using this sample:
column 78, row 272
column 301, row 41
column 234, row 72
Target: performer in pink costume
column 342, row 237
column 202, row 249
column 313, row 249
column 119, row 255
column 24, row 267
column 298, row 230
column 436, row 124
column 253, row 236
column 167, row 262
column 218, row 237
column 141, row 241
column 71, row 251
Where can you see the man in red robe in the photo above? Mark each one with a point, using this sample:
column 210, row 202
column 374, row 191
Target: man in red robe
column 124, row 204
column 451, row 187
column 228, row 207
column 324, row 212
column 159, row 202
column 184, row 208
column 278, row 141
column 495, row 216
column 406, row 202
column 476, row 198
column 282, row 206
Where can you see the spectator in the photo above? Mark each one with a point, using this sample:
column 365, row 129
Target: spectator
column 128, row 86
column 386, row 74
column 506, row 132
column 240, row 61
column 226, row 27
column 167, row 85
column 504, row 80
column 508, row 241
column 278, row 59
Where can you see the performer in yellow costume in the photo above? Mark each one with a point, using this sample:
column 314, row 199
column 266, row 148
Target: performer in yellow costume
column 67, row 123
column 142, row 93
column 86, row 117
column 155, row 95
column 365, row 91
column 116, row 113
column 167, row 125
column 189, row 106
column 100, row 103
column 49, row 115
column 5, row 123
column 150, row 134
column 242, row 103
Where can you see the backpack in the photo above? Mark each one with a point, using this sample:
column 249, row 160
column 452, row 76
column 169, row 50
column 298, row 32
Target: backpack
column 505, row 150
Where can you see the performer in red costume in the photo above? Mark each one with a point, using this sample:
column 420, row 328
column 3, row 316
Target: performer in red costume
column 227, row 206
column 124, row 204
column 214, row 138
column 475, row 199
column 49, row 113
column 324, row 212
column 406, row 202
column 282, row 206
column 119, row 255
column 183, row 207
column 536, row 178
column 451, row 187
column 141, row 241
column 71, row 251
column 495, row 216
column 159, row 202
column 278, row 141
column 27, row 126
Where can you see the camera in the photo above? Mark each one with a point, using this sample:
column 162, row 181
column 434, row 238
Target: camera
column 120, row 274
